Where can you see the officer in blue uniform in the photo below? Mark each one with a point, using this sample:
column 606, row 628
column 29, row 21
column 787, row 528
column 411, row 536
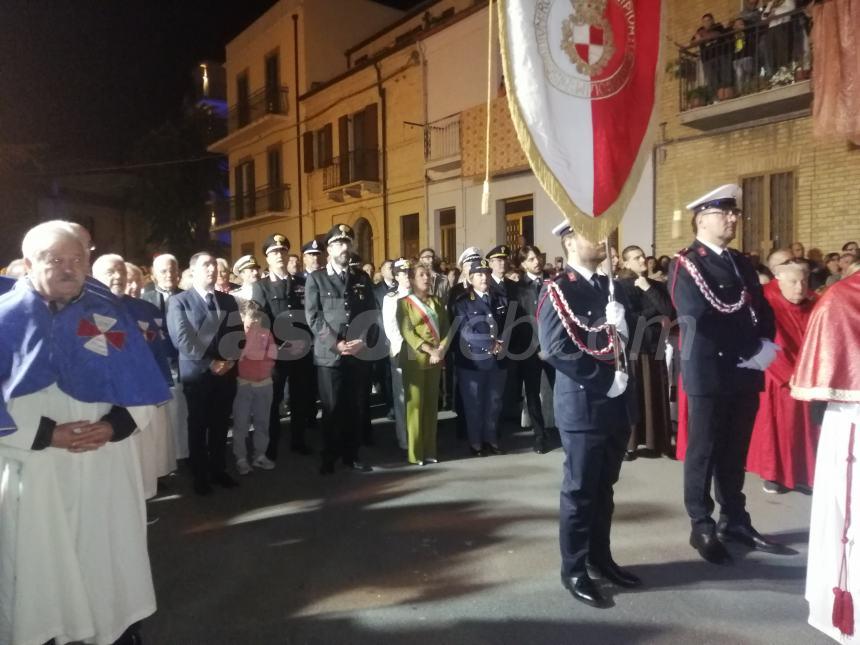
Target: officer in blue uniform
column 498, row 258
column 592, row 411
column 726, row 331
column 479, row 359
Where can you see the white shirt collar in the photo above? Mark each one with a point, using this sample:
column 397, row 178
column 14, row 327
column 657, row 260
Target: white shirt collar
column 333, row 269
column 203, row 292
column 716, row 249
column 533, row 276
column 585, row 273
column 498, row 280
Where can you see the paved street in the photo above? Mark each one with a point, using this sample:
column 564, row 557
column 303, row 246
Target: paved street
column 465, row 551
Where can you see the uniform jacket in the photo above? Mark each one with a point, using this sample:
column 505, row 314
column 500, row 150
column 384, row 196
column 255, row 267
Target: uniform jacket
column 481, row 323
column 340, row 311
column 416, row 331
column 582, row 381
column 713, row 343
column 283, row 301
column 202, row 336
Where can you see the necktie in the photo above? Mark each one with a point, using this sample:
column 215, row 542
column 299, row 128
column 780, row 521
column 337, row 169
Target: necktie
column 210, row 301
column 595, row 281
column 161, row 302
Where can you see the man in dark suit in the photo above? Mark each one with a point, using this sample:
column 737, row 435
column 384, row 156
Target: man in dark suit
column 498, row 260
column 282, row 297
column 576, row 322
column 207, row 331
column 526, row 365
column 727, row 328
column 343, row 317
column 382, row 367
column 165, row 281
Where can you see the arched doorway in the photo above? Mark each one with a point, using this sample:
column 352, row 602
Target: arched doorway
column 363, row 239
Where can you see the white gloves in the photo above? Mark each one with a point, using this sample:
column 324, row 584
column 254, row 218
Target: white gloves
column 615, row 317
column 619, row 384
column 766, row 355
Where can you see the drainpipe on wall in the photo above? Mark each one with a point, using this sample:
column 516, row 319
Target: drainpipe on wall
column 430, row 219
column 299, row 174
column 384, row 152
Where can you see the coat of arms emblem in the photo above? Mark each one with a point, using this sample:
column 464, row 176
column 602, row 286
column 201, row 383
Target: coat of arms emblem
column 587, row 36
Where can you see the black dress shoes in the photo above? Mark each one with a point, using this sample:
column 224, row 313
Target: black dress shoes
column 629, row 455
column 476, row 452
column 584, row 590
column 224, row 480
column 709, row 547
column 359, row 466
column 540, row 447
column 749, row 537
column 611, row 572
column 489, row 448
column 301, row 450
column 202, row 488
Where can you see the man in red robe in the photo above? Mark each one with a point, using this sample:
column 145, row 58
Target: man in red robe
column 782, row 448
column 827, row 370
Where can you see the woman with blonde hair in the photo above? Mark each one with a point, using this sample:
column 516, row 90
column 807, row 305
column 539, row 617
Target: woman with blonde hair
column 424, row 325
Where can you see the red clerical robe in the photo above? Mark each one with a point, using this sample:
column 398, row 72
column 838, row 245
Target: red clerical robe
column 782, row 448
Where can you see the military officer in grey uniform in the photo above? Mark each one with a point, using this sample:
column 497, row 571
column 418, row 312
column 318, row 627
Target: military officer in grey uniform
column 281, row 297
column 592, row 412
column 727, row 327
column 344, row 319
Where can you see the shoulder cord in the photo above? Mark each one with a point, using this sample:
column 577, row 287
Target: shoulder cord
column 709, row 295
column 567, row 317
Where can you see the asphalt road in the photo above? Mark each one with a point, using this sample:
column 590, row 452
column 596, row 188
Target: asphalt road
column 464, row 551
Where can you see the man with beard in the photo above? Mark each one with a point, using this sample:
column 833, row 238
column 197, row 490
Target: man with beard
column 281, row 297
column 579, row 331
column 343, row 316
column 727, row 329
column 248, row 271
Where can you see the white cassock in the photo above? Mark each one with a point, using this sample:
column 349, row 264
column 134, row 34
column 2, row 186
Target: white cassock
column 828, row 518
column 157, row 449
column 73, row 557
column 177, row 411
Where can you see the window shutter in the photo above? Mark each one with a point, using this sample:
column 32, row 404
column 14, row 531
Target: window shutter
column 308, row 145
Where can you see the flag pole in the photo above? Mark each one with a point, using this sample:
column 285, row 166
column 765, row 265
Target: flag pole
column 618, row 348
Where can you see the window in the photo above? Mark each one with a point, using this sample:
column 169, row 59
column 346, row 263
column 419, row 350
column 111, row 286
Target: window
column 243, row 102
column 273, row 82
column 358, row 146
column 768, row 205
column 276, row 179
column 409, row 235
column 243, row 189
column 324, row 150
column 448, row 234
column 519, row 220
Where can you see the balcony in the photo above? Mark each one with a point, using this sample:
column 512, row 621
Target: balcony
column 263, row 203
column 354, row 174
column 442, row 158
column 750, row 75
column 262, row 110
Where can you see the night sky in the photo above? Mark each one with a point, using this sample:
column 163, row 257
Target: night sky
column 89, row 77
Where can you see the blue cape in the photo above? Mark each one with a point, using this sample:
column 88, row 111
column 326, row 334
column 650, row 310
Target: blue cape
column 92, row 349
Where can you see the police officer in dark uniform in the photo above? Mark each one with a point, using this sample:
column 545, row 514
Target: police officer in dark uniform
column 311, row 256
column 281, row 296
column 727, row 328
column 343, row 317
column 467, row 257
column 592, row 411
column 526, row 365
column 498, row 258
column 481, row 366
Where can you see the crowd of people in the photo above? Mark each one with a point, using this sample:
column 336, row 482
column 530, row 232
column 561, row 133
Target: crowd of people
column 109, row 367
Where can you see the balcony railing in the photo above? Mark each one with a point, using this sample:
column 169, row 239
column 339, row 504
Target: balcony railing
column 442, row 139
column 357, row 165
column 266, row 199
column 746, row 60
column 270, row 100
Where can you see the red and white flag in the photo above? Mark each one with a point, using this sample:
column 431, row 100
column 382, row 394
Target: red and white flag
column 581, row 78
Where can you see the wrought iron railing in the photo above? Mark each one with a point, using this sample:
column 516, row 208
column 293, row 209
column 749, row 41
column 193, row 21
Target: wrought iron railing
column 442, row 138
column 269, row 100
column 749, row 58
column 356, row 165
column 266, row 199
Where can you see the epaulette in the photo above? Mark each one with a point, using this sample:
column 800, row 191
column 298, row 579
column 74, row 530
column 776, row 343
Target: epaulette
column 684, row 251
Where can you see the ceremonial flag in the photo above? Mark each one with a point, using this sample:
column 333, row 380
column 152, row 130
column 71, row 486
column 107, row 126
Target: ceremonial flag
column 581, row 81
